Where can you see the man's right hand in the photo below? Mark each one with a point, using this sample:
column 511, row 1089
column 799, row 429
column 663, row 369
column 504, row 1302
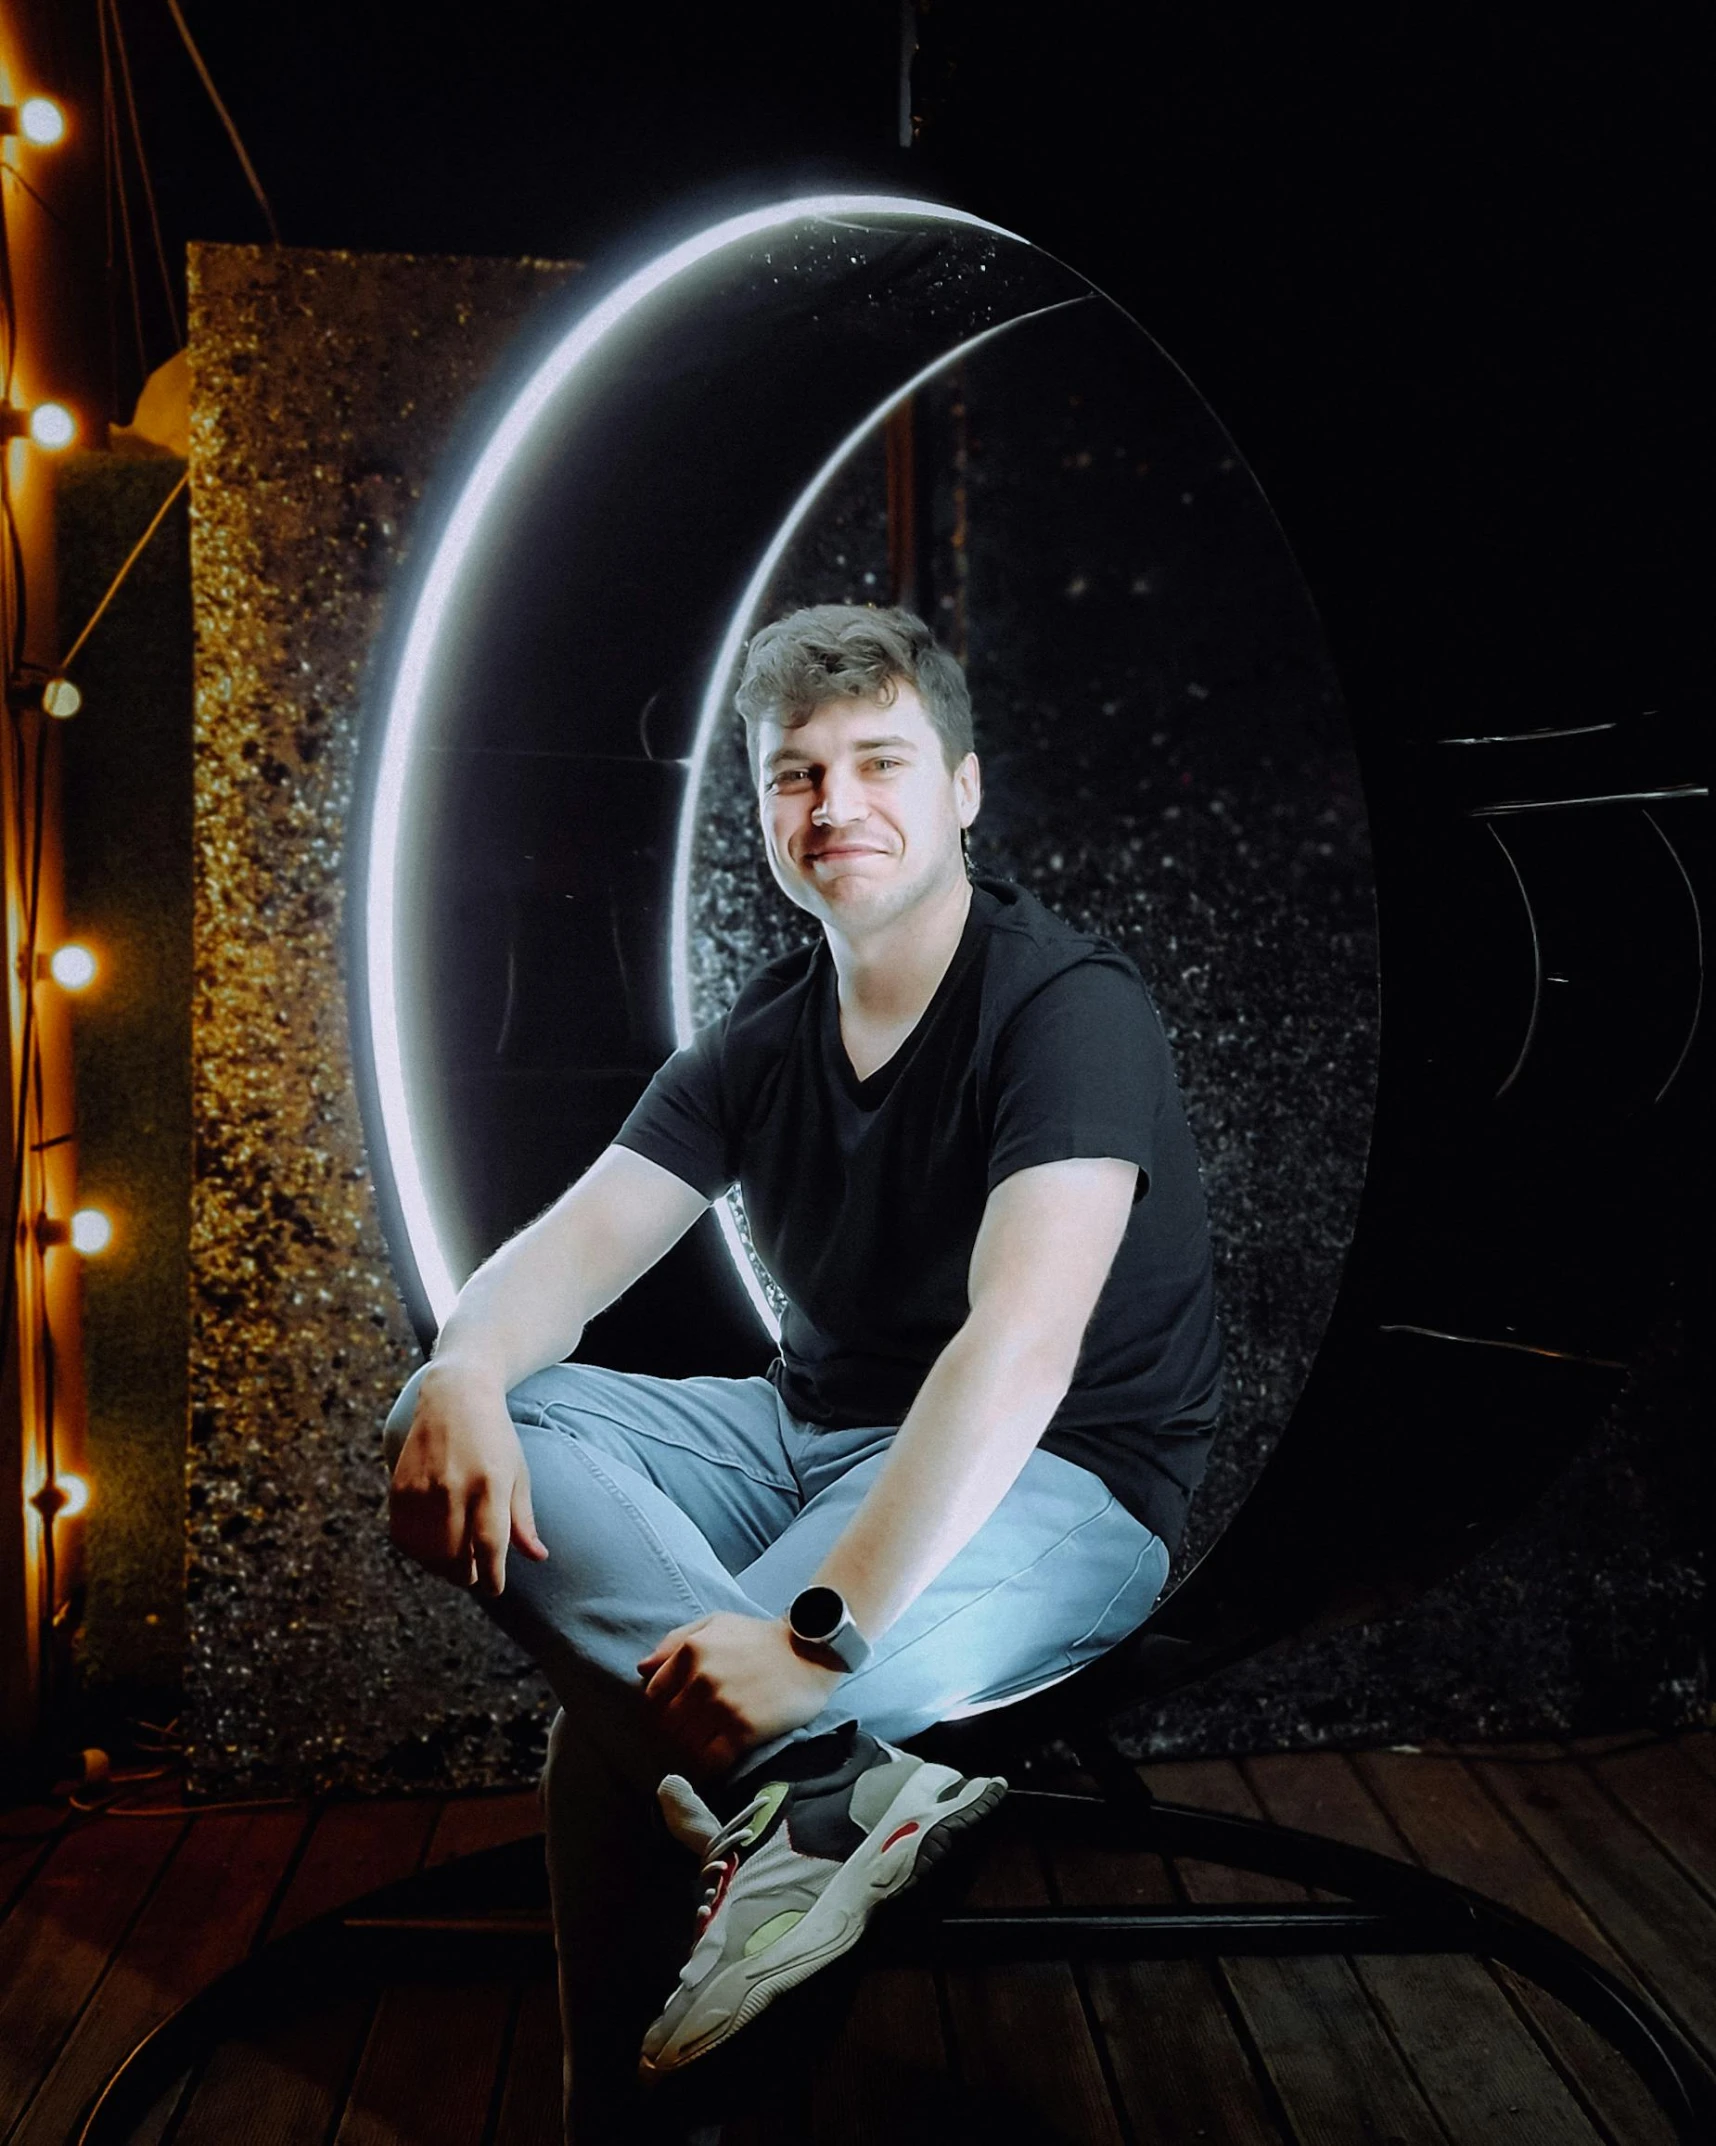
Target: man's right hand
column 461, row 1492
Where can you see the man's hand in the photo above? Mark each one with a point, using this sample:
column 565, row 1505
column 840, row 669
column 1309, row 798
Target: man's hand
column 461, row 1492
column 728, row 1682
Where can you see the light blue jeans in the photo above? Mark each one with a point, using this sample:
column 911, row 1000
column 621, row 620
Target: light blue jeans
column 662, row 1500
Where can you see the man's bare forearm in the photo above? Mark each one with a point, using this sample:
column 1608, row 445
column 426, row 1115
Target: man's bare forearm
column 528, row 1305
column 513, row 1316
column 976, row 1421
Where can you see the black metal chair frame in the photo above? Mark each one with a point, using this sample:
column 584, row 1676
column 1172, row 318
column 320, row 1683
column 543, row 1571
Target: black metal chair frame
column 485, row 1916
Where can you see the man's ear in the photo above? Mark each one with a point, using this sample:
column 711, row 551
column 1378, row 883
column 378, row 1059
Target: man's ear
column 968, row 779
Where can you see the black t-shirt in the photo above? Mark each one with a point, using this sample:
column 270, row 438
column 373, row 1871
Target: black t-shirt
column 864, row 1196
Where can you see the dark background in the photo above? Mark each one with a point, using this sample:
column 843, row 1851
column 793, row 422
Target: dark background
column 1428, row 269
column 1428, row 265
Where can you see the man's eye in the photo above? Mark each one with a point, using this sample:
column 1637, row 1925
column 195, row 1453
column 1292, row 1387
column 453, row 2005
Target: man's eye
column 786, row 775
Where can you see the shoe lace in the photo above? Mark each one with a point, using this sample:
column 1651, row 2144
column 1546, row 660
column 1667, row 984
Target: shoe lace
column 721, row 1857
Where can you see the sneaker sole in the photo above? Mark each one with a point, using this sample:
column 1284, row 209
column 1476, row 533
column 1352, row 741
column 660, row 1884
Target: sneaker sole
column 835, row 1924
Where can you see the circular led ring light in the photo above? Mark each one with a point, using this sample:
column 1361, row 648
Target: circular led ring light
column 382, row 911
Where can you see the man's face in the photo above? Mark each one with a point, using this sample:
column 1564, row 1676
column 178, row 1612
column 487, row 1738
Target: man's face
column 861, row 817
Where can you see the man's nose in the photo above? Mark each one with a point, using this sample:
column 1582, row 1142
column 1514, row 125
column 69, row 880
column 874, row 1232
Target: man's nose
column 842, row 800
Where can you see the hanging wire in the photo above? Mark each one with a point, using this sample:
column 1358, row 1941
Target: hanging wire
column 116, row 170
column 29, row 840
column 143, row 168
column 136, row 553
column 225, row 117
column 11, row 171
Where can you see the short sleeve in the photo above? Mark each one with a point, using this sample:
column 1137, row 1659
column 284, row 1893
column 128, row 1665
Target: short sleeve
column 678, row 1120
column 1080, row 1070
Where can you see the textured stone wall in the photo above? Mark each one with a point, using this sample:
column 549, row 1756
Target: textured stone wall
column 323, row 388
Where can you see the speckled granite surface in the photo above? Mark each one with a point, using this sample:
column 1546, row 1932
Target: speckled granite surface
column 323, row 386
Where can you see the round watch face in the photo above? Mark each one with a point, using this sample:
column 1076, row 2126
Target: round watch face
column 817, row 1614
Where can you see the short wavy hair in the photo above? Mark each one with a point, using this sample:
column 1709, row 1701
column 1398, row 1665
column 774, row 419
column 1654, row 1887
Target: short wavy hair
column 851, row 652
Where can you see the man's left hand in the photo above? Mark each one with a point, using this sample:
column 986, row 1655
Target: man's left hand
column 728, row 1682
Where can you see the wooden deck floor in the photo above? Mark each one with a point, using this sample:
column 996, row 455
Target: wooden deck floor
column 110, row 1922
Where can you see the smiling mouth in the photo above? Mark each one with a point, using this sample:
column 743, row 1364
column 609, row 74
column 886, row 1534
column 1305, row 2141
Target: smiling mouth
column 845, row 849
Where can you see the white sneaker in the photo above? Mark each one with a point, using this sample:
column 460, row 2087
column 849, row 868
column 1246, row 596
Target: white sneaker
column 793, row 1878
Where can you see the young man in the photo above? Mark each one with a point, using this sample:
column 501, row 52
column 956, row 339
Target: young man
column 964, row 1160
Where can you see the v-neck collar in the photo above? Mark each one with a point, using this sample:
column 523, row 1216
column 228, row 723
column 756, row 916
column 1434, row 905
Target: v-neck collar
column 868, row 1093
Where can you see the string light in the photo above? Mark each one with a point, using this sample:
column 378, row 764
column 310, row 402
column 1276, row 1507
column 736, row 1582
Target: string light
column 52, row 425
column 56, row 696
column 38, row 120
column 72, row 967
column 61, row 1498
column 89, row 1231
column 49, row 424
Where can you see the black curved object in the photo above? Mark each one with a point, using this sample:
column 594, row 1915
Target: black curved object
column 485, row 1916
column 1535, row 1165
column 1535, row 1155
column 1525, row 1212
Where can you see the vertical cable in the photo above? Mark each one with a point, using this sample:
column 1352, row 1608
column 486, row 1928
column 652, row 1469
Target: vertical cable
column 225, row 117
column 110, row 124
column 143, row 168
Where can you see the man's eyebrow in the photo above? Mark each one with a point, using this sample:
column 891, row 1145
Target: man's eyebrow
column 863, row 745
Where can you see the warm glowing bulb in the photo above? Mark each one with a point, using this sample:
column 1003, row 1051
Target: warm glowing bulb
column 91, row 1231
column 41, row 121
column 72, row 967
column 60, row 697
column 76, row 1493
column 52, row 425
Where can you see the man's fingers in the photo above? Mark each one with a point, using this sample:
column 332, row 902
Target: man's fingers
column 456, row 1571
column 524, row 1520
column 489, row 1542
column 672, row 1677
column 430, row 1540
column 707, row 1732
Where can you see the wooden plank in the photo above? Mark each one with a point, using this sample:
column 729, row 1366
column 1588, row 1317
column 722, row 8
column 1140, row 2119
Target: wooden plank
column 1662, row 1926
column 26, row 1837
column 469, row 1824
column 1022, row 2046
column 1335, row 2070
column 282, row 2085
column 1476, row 2063
column 355, row 1847
column 1674, row 1800
column 199, row 1921
column 1700, row 1748
column 154, row 2126
column 531, row 2096
column 1451, row 1825
column 887, row 2075
column 60, row 1934
column 286, row 2084
column 429, row 2068
column 1181, row 2069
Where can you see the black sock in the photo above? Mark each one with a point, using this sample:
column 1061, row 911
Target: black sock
column 845, row 1748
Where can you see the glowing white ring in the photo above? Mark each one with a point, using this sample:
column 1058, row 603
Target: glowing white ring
column 715, row 707
column 383, row 908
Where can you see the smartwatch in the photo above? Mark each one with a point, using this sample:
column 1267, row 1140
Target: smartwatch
column 819, row 1616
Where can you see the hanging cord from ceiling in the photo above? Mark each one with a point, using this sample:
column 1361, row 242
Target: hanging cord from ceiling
column 71, row 655
column 117, row 196
column 225, row 117
column 167, row 292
